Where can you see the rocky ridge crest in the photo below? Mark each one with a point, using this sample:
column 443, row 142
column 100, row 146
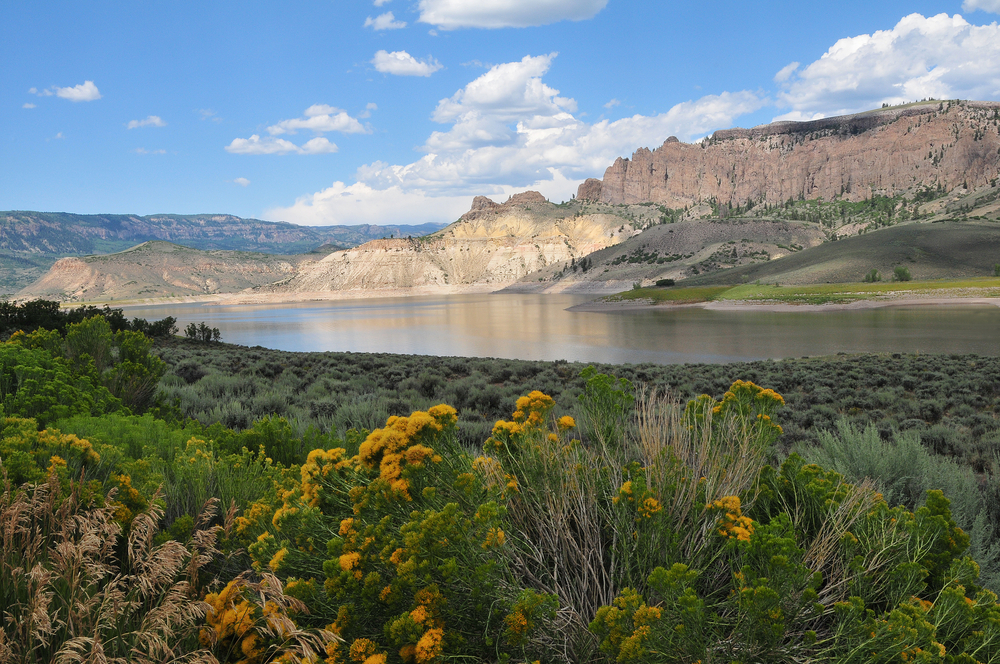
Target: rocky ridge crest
column 888, row 152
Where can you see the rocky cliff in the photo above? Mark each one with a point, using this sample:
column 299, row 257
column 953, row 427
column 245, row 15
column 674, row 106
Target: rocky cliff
column 491, row 246
column 891, row 152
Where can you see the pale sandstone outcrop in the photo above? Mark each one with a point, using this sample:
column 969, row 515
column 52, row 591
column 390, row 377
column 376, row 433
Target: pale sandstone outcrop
column 491, row 245
column 888, row 152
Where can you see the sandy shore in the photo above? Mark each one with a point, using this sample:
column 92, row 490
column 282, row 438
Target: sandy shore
column 599, row 306
column 225, row 299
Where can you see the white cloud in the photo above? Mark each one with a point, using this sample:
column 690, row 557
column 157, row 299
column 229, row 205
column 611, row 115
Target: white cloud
column 28, row 105
column 402, row 63
column 59, row 135
column 318, row 145
column 509, row 128
column 384, row 21
column 369, row 107
column 319, row 118
column 243, row 182
column 208, row 114
column 508, row 131
column 611, row 104
column 939, row 56
column 785, row 72
column 86, row 91
column 145, row 151
column 268, row 145
column 452, row 14
column 379, row 3
column 255, row 145
column 986, row 5
column 150, row 121
column 361, row 204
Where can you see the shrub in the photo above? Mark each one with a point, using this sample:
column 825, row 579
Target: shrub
column 901, row 273
column 395, row 547
column 873, row 276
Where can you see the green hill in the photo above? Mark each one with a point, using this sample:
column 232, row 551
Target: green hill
column 940, row 250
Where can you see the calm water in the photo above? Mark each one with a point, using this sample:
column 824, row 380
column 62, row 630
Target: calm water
column 538, row 327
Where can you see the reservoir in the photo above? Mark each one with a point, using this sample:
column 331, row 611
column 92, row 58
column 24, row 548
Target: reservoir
column 538, row 327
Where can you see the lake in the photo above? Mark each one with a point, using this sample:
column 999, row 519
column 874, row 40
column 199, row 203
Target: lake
column 538, row 327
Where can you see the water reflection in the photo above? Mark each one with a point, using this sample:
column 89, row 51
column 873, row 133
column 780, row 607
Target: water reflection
column 539, row 327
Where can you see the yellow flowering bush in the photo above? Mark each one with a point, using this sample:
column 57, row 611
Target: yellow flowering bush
column 254, row 623
column 397, row 549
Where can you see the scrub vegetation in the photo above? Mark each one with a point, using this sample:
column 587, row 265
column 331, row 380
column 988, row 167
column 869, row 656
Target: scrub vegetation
column 333, row 507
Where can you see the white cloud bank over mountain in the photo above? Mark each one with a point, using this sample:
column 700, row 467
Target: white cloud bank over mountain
column 507, row 131
column 454, row 14
column 943, row 57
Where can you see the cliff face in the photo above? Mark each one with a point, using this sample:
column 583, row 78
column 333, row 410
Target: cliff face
column 888, row 152
column 491, row 246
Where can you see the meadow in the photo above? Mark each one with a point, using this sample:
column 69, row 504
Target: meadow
column 264, row 506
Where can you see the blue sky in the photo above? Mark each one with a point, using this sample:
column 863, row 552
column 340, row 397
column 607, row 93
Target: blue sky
column 400, row 111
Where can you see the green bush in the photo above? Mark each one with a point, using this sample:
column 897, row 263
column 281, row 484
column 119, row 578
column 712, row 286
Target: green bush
column 901, row 273
column 873, row 276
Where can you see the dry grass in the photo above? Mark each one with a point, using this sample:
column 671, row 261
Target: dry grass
column 75, row 588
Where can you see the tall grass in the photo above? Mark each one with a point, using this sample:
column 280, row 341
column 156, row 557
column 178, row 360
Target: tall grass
column 903, row 470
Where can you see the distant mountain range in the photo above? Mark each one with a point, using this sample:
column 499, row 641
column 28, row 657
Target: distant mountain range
column 765, row 202
column 30, row 242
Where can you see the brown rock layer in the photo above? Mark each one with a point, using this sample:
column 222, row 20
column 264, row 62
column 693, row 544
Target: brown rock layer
column 888, row 152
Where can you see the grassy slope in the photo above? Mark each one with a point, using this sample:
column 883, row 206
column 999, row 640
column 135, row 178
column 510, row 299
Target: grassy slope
column 947, row 250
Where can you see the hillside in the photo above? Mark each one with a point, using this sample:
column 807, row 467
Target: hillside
column 946, row 250
column 30, row 242
column 491, row 246
column 160, row 269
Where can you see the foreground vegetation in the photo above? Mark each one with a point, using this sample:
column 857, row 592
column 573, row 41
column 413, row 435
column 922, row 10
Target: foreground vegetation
column 329, row 507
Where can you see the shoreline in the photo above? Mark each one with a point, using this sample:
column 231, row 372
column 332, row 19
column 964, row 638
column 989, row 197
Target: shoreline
column 783, row 307
column 594, row 306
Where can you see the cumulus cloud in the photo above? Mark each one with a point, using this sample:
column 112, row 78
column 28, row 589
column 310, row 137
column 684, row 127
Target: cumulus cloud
column 360, row 203
column 28, row 105
column 785, row 72
column 150, row 121
column 379, row 3
column 243, row 182
column 507, row 131
column 86, row 91
column 985, row 5
column 611, row 104
column 319, row 118
column 402, row 63
column 939, row 56
column 269, row 145
column 384, row 21
column 369, row 107
column 453, row 14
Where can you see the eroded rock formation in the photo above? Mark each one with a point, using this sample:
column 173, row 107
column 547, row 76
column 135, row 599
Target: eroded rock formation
column 888, row 152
